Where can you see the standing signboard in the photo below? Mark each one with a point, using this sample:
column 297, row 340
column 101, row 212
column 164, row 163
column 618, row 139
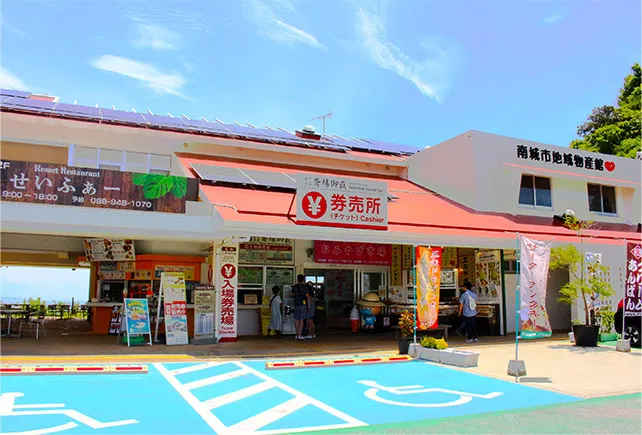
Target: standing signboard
column 428, row 283
column 172, row 296
column 137, row 319
column 534, row 260
column 204, row 306
column 341, row 202
column 114, row 320
column 633, row 289
column 226, row 291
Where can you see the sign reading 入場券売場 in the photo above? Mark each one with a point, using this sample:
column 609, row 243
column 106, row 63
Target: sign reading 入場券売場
column 53, row 184
column 341, row 202
column 560, row 158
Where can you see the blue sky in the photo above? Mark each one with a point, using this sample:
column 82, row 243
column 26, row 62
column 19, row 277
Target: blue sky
column 50, row 284
column 409, row 71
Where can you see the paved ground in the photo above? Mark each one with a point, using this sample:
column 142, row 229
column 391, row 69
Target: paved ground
column 242, row 397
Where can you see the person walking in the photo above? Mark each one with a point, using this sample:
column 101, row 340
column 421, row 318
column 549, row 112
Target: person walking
column 276, row 307
column 468, row 311
column 301, row 298
column 311, row 312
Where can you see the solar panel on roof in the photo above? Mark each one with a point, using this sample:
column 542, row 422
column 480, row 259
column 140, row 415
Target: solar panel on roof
column 36, row 106
column 165, row 122
column 122, row 116
column 76, row 110
column 14, row 93
column 206, row 126
column 270, row 179
column 377, row 145
column 221, row 174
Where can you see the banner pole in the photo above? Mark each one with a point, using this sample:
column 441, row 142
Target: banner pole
column 414, row 287
column 517, row 301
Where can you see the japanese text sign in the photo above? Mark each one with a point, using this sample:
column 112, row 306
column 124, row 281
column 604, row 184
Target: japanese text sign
column 534, row 260
column 226, row 290
column 173, row 288
column 352, row 253
column 633, row 286
column 52, row 184
column 560, row 158
column 341, row 202
column 428, row 286
column 109, row 250
column 204, row 305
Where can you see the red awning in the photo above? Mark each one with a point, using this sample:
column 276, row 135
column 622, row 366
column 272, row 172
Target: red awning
column 414, row 211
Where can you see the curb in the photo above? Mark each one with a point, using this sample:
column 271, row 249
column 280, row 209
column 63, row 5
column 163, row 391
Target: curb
column 293, row 364
column 72, row 369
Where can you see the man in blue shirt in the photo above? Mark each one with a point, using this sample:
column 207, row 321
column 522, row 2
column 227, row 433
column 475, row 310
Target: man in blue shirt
column 301, row 305
column 468, row 311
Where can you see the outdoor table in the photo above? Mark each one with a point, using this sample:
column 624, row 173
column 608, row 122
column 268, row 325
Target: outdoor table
column 10, row 314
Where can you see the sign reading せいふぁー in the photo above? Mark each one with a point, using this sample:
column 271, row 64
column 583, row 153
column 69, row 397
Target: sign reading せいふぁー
column 341, row 202
column 226, row 291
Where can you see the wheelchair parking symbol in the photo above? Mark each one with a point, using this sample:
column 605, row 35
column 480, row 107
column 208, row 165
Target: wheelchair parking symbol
column 464, row 397
column 8, row 408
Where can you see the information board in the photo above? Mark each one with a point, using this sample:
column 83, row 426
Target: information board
column 137, row 318
column 175, row 307
column 204, row 305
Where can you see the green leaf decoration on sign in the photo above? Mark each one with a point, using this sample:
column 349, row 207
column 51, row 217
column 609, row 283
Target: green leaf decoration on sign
column 139, row 179
column 156, row 185
column 180, row 187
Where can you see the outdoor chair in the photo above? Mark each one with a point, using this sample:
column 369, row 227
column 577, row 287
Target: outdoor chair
column 35, row 323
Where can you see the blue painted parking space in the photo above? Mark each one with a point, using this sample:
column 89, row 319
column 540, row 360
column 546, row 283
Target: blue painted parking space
column 244, row 397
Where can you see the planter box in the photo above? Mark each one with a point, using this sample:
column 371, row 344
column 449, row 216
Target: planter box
column 608, row 337
column 459, row 358
column 433, row 355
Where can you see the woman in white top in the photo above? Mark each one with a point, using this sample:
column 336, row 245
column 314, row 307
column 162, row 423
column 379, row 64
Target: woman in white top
column 276, row 305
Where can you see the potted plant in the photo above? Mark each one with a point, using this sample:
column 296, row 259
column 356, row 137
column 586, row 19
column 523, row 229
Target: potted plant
column 430, row 348
column 406, row 330
column 586, row 280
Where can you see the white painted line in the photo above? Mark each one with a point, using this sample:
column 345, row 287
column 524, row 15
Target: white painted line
column 215, row 379
column 195, row 367
column 53, row 429
column 235, row 396
column 198, row 406
column 311, row 400
column 305, row 429
column 258, row 421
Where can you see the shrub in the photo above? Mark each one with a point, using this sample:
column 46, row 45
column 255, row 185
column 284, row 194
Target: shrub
column 434, row 343
column 407, row 323
column 606, row 319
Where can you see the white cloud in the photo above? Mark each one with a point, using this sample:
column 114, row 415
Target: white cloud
column 158, row 81
column 267, row 17
column 156, row 37
column 10, row 81
column 432, row 75
column 552, row 19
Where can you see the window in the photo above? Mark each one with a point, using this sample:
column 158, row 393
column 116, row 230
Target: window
column 119, row 160
column 601, row 198
column 535, row 191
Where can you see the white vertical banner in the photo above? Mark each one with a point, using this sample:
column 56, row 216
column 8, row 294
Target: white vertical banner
column 534, row 261
column 226, row 272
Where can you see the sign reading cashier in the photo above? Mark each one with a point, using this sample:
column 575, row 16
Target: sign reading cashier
column 341, row 202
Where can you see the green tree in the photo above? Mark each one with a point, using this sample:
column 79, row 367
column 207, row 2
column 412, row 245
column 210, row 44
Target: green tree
column 616, row 129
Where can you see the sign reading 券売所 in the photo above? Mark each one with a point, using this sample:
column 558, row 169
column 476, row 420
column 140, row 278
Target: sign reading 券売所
column 341, row 202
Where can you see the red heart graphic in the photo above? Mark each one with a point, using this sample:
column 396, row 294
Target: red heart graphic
column 610, row 166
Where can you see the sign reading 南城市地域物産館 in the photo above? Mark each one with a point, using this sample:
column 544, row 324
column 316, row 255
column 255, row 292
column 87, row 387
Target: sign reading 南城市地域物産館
column 52, row 184
column 341, row 202
column 559, row 158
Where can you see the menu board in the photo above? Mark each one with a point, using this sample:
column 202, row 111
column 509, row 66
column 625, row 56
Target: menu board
column 109, row 250
column 488, row 275
column 175, row 307
column 187, row 271
column 108, row 271
column 204, row 304
column 114, row 320
column 267, row 250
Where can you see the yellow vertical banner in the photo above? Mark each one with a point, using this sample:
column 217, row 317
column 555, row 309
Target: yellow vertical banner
column 428, row 281
column 395, row 267
column 407, row 257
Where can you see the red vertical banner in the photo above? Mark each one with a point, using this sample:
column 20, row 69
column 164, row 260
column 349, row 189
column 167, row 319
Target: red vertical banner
column 428, row 282
column 633, row 287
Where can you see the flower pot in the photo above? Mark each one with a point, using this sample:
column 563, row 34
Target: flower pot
column 404, row 345
column 424, row 353
column 586, row 336
column 459, row 358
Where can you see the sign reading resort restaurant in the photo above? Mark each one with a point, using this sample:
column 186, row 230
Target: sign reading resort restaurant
column 341, row 202
column 52, row 184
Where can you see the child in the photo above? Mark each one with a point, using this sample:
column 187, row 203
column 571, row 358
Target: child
column 276, row 305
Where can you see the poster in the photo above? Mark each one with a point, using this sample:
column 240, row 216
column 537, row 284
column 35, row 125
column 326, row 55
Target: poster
column 633, row 289
column 175, row 307
column 108, row 271
column 428, row 282
column 407, row 257
column 488, row 277
column 109, row 250
column 137, row 316
column 449, row 258
column 54, row 184
column 341, row 202
column 267, row 250
column 395, row 268
column 204, row 301
column 534, row 259
column 466, row 259
column 187, row 271
column 114, row 320
column 226, row 290
column 352, row 253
